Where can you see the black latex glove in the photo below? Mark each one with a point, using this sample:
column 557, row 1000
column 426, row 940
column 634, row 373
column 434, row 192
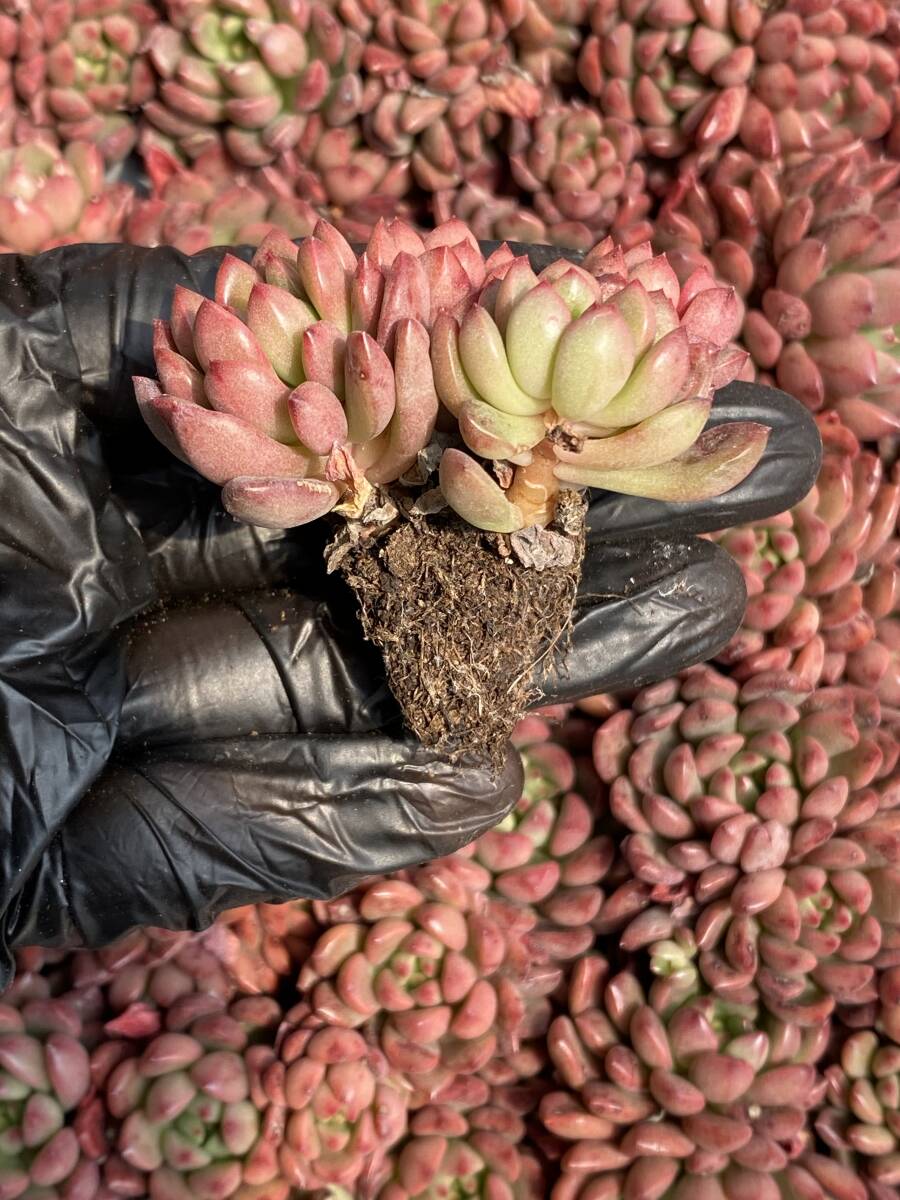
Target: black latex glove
column 189, row 717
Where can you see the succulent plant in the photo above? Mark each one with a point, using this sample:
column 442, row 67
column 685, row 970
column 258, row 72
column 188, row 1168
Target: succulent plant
column 463, row 1143
column 250, row 74
column 577, row 170
column 211, row 203
column 54, row 198
column 600, row 375
column 697, row 76
column 742, row 801
column 335, row 1096
column 79, row 68
column 828, row 566
column 813, row 248
column 546, row 860
column 189, row 1114
column 261, row 944
column 44, row 1077
column 495, row 215
column 862, row 1119
column 548, row 35
column 674, row 1092
column 425, row 962
column 448, row 78
column 307, row 380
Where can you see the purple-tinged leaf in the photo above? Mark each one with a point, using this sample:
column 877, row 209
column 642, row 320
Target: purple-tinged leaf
column 475, row 496
column 219, row 445
column 713, row 316
column 368, row 387
column 337, row 243
column 235, row 280
column 252, row 392
column 178, row 376
column 318, row 417
column 181, row 323
column 278, row 321
column 322, row 350
column 279, row 503
column 220, row 336
column 405, row 295
column 325, row 282
column 416, row 408
column 366, row 292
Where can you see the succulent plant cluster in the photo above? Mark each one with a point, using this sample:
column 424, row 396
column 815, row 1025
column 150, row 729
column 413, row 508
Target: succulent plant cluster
column 316, row 376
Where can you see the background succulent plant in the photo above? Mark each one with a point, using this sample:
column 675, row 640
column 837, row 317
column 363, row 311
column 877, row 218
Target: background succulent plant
column 54, row 198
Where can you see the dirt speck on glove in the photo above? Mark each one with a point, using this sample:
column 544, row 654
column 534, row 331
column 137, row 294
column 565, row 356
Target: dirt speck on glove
column 466, row 628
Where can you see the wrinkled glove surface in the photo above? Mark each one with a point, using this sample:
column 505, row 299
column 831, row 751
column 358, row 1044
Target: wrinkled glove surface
column 189, row 716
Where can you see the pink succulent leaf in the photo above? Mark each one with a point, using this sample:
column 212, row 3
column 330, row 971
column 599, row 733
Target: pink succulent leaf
column 639, row 314
column 475, row 496
column 337, row 243
column 184, row 309
column 518, row 279
column 221, row 336
column 252, row 392
column 718, row 461
column 406, row 294
column 219, row 445
column 322, row 350
column 714, row 315
column 366, row 292
column 235, row 280
column 178, row 376
column 368, row 387
column 278, row 321
column 413, row 421
column 324, row 281
column 448, row 284
column 318, row 417
column 279, row 503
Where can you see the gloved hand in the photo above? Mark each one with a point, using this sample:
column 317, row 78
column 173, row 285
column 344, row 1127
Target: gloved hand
column 189, row 717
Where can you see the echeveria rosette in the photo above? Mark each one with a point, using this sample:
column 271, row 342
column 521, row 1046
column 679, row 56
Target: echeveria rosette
column 341, row 1108
column 578, row 171
column 52, row 198
column 212, row 202
column 250, row 74
column 673, row 1092
column 44, row 1078
column 493, row 215
column 698, row 76
column 189, row 1116
column 813, row 248
column 742, row 800
column 547, row 860
column 423, row 963
column 861, row 1121
column 548, row 35
column 79, row 68
column 307, row 381
column 600, row 375
column 463, row 1142
column 827, row 567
